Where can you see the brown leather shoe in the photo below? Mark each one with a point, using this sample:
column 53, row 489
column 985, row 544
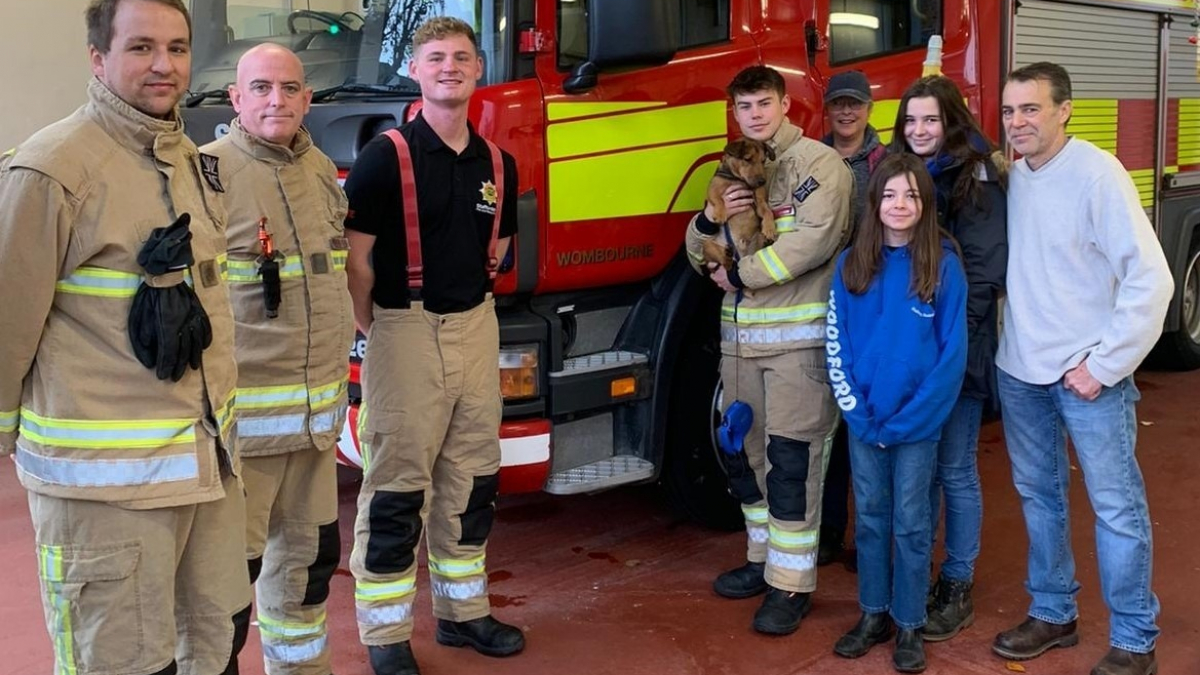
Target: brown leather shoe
column 1121, row 662
column 1033, row 637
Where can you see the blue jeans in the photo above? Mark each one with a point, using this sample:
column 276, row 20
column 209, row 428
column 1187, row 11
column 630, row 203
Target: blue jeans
column 891, row 498
column 958, row 477
column 1104, row 433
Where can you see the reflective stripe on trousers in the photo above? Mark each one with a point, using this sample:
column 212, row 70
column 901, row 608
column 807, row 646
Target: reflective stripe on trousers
column 292, row 642
column 451, row 579
column 50, row 569
column 384, row 603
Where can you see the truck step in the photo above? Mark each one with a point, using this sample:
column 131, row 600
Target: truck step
column 600, row 361
column 598, row 475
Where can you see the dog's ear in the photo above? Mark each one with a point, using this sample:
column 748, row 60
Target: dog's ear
column 769, row 151
column 731, row 148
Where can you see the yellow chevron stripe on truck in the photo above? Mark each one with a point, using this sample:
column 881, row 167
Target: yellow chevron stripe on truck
column 631, row 161
column 1189, row 131
column 556, row 112
column 1095, row 120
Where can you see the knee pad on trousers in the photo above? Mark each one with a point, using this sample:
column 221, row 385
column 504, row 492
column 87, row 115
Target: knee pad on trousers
column 329, row 552
column 476, row 521
column 241, row 629
column 255, row 566
column 787, row 489
column 395, row 520
column 171, row 669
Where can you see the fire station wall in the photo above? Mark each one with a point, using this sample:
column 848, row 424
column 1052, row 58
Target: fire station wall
column 43, row 65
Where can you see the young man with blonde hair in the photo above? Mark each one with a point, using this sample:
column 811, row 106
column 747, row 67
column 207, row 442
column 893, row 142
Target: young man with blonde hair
column 436, row 199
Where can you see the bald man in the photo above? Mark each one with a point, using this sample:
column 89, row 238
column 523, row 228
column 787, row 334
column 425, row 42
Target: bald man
column 287, row 281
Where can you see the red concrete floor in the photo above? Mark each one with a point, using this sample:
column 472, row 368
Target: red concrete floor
column 616, row 584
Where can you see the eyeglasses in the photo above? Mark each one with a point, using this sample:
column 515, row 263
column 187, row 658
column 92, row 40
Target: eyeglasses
column 847, row 103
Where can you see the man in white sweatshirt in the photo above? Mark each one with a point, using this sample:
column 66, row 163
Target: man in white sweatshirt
column 1088, row 288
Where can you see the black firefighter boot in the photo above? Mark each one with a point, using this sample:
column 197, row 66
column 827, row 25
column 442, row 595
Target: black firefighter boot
column 393, row 659
column 485, row 635
column 781, row 612
column 741, row 582
column 951, row 610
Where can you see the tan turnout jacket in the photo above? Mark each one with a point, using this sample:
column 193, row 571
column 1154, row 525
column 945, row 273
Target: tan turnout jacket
column 293, row 368
column 784, row 307
column 85, row 418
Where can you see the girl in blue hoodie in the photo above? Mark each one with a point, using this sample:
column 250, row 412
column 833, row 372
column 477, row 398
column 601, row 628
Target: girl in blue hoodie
column 896, row 352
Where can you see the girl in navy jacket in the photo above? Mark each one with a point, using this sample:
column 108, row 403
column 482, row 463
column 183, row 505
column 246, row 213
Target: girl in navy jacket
column 896, row 352
column 934, row 123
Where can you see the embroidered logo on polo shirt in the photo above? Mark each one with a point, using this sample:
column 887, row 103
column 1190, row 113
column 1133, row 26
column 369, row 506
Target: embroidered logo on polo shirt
column 487, row 191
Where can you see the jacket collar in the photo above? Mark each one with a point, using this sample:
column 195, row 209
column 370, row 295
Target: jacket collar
column 870, row 142
column 785, row 137
column 261, row 149
column 130, row 127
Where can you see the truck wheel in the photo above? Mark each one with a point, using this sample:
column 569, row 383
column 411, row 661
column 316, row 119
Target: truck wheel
column 1181, row 350
column 693, row 478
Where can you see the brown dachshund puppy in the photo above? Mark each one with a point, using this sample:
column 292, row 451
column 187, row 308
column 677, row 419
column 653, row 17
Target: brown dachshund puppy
column 744, row 162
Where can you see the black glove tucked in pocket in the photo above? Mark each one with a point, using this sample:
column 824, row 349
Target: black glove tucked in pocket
column 168, row 326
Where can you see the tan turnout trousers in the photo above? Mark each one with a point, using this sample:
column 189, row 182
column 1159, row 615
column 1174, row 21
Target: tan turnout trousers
column 787, row 447
column 127, row 591
column 431, row 455
column 292, row 531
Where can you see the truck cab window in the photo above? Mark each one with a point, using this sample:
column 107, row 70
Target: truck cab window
column 863, row 28
column 701, row 22
column 341, row 42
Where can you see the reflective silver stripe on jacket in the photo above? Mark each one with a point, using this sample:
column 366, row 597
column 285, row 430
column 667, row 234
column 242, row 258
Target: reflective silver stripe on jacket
column 768, row 336
column 288, row 425
column 108, row 472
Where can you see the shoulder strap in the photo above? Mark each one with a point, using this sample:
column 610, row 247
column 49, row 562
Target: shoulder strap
column 408, row 192
column 498, row 178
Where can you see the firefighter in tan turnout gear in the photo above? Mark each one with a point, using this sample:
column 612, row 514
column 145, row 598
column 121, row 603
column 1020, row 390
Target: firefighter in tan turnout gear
column 130, row 470
column 431, row 379
column 287, row 281
column 772, row 342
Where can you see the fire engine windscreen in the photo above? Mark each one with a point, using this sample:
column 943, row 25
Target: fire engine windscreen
column 340, row 42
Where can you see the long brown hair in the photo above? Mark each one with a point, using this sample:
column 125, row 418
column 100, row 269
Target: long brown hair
column 964, row 141
column 866, row 254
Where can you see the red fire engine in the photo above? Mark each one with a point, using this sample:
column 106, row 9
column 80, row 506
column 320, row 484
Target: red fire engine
column 616, row 113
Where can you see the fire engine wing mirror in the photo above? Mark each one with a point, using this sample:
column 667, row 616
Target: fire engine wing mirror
column 626, row 34
column 582, row 78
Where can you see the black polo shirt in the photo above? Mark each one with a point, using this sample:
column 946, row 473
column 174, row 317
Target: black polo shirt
column 455, row 223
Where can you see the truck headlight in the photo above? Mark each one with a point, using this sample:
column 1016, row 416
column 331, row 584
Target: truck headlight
column 519, row 371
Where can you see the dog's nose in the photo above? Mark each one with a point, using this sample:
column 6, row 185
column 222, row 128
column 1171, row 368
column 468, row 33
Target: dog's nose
column 760, row 182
